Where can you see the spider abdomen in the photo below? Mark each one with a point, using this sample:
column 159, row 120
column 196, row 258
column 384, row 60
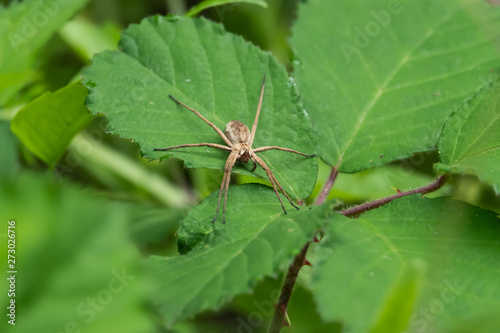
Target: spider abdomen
column 237, row 132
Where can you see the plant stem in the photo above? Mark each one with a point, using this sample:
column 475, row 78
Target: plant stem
column 286, row 290
column 98, row 154
column 328, row 186
column 176, row 7
column 380, row 202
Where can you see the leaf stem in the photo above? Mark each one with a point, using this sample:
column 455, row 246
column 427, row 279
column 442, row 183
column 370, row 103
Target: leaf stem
column 380, row 202
column 98, row 154
column 328, row 186
column 177, row 7
column 286, row 291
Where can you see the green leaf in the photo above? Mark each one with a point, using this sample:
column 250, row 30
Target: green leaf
column 213, row 3
column 24, row 28
column 213, row 71
column 379, row 78
column 430, row 263
column 228, row 259
column 9, row 164
column 470, row 142
column 76, row 267
column 47, row 125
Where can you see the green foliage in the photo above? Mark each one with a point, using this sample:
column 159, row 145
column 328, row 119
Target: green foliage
column 70, row 248
column 9, row 164
column 213, row 3
column 221, row 261
column 47, row 125
column 88, row 39
column 24, row 28
column 470, row 142
column 380, row 79
column 436, row 259
column 215, row 72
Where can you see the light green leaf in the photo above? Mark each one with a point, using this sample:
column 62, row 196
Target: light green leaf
column 76, row 267
column 213, row 71
column 24, row 28
column 213, row 3
column 470, row 142
column 430, row 263
column 228, row 259
column 47, row 125
column 379, row 78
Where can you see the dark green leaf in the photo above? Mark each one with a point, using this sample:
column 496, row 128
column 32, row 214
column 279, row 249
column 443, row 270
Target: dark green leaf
column 213, row 71
column 379, row 78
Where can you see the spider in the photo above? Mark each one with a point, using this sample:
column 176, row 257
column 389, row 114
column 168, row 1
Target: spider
column 239, row 143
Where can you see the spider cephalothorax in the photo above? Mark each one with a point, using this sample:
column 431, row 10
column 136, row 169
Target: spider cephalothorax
column 239, row 142
column 239, row 135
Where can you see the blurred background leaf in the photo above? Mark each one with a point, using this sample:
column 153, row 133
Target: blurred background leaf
column 9, row 163
column 24, row 28
column 76, row 266
column 87, row 38
column 47, row 125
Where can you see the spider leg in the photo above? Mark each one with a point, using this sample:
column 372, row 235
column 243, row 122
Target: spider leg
column 254, row 126
column 254, row 165
column 225, row 183
column 283, row 191
column 213, row 145
column 225, row 194
column 265, row 148
column 221, row 134
column 220, row 195
column 274, row 182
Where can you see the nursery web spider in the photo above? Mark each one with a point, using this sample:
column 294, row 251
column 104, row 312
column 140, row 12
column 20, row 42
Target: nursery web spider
column 239, row 143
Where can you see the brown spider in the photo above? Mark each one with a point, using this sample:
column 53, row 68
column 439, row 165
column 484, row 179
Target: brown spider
column 239, row 142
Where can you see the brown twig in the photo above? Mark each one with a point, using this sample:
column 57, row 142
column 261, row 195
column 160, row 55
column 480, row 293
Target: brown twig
column 380, row 202
column 328, row 186
column 286, row 291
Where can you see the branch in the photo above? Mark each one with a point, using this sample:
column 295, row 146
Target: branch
column 380, row 202
column 328, row 186
column 280, row 316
